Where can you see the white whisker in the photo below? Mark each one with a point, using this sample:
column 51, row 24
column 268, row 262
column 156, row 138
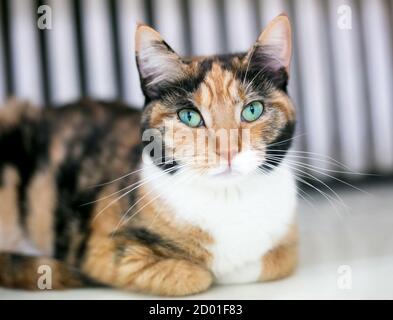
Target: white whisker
column 134, row 188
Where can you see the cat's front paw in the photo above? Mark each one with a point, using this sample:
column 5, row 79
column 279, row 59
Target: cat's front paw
column 172, row 277
column 279, row 262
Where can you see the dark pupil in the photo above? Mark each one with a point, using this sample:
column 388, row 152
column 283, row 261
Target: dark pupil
column 252, row 109
column 189, row 116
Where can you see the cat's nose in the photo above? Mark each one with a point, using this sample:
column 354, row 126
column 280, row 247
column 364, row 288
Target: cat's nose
column 228, row 155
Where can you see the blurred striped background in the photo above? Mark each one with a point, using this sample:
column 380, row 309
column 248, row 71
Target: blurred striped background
column 341, row 79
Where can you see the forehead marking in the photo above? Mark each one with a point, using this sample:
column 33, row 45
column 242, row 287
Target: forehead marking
column 217, row 90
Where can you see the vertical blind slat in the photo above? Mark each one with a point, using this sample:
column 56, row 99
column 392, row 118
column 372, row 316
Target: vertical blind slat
column 205, row 28
column 99, row 56
column 315, row 84
column 25, row 52
column 270, row 9
column 348, row 85
column 168, row 19
column 379, row 63
column 63, row 69
column 130, row 13
column 240, row 24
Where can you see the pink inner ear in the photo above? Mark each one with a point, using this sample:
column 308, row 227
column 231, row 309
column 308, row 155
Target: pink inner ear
column 276, row 59
column 157, row 62
column 276, row 41
column 267, row 57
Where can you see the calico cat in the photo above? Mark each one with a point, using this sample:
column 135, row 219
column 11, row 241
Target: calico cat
column 84, row 191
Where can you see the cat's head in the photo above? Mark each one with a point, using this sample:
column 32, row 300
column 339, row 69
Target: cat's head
column 218, row 116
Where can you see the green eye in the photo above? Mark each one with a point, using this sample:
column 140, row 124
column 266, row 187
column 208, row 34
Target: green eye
column 252, row 111
column 190, row 117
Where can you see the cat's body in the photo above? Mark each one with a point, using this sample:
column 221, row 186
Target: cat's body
column 80, row 191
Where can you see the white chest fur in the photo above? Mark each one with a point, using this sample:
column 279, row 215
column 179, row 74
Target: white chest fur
column 245, row 218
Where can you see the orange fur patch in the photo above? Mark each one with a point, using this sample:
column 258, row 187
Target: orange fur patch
column 281, row 261
column 10, row 231
column 42, row 195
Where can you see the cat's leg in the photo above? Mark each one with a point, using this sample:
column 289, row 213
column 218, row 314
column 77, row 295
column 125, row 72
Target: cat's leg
column 281, row 261
column 144, row 267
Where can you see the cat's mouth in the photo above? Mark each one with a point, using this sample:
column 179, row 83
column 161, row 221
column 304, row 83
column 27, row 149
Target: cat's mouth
column 227, row 172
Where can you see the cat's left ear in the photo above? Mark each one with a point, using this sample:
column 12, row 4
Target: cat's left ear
column 273, row 47
column 158, row 64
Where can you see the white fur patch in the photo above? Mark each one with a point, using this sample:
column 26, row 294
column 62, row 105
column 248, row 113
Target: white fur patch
column 246, row 216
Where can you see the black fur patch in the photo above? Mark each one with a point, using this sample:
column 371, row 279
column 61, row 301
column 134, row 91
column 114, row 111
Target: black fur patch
column 180, row 87
column 261, row 70
column 25, row 147
column 148, row 238
column 66, row 181
column 70, row 199
column 279, row 147
column 83, row 215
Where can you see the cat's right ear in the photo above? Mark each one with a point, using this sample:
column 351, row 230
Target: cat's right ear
column 158, row 64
